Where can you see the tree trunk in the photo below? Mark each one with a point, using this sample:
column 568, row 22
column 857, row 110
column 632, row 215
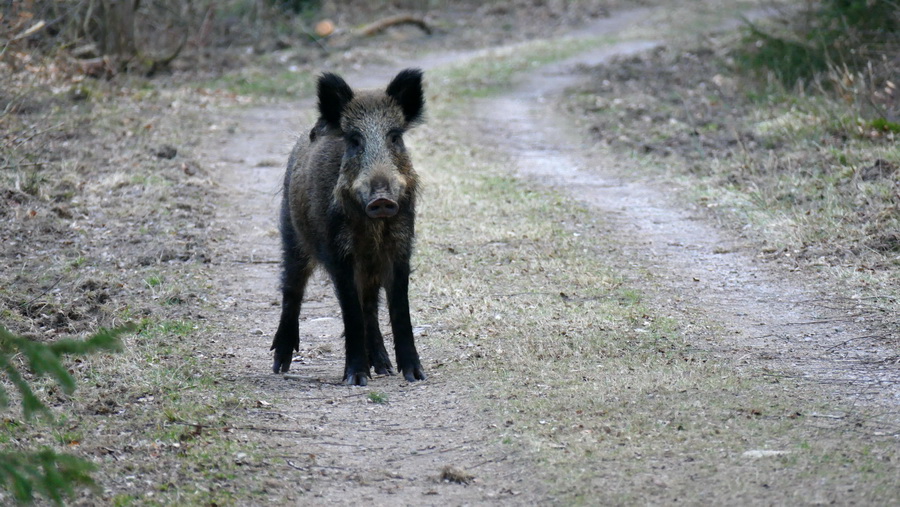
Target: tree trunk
column 117, row 29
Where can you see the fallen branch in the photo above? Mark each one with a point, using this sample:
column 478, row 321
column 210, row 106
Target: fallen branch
column 241, row 261
column 35, row 28
column 199, row 426
column 385, row 23
column 848, row 318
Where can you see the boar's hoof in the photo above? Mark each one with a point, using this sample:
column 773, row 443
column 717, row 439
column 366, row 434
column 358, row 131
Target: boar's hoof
column 384, row 369
column 381, row 362
column 356, row 379
column 282, row 362
column 414, row 373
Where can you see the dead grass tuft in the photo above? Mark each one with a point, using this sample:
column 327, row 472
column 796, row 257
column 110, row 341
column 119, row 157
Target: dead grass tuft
column 456, row 475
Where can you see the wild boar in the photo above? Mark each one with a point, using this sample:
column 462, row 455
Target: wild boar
column 349, row 205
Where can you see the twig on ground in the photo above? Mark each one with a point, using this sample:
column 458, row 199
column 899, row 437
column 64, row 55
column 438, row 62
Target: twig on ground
column 292, row 465
column 240, row 428
column 845, row 342
column 824, row 321
column 828, row 416
column 44, row 293
column 485, row 462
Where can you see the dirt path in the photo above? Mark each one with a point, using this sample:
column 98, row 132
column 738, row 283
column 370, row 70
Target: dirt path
column 699, row 272
column 332, row 443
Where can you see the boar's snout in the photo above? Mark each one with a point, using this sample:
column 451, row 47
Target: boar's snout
column 381, row 193
column 382, row 208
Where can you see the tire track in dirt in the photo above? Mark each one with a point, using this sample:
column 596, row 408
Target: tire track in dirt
column 732, row 303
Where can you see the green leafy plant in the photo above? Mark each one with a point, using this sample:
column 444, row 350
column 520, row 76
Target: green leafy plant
column 376, row 397
column 826, row 34
column 884, row 125
column 45, row 472
column 52, row 474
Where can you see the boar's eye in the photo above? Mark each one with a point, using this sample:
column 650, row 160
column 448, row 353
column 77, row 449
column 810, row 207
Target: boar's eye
column 354, row 144
column 396, row 138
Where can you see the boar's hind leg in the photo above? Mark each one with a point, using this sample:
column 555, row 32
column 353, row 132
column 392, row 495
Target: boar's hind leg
column 404, row 343
column 378, row 356
column 296, row 271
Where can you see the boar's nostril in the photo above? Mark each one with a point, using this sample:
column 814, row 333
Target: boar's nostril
column 382, row 208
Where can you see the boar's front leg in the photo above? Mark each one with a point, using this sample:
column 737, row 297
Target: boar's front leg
column 356, row 367
column 378, row 356
column 404, row 343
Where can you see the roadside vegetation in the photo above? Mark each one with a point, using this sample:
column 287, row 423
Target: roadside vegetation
column 28, row 472
column 786, row 129
column 107, row 221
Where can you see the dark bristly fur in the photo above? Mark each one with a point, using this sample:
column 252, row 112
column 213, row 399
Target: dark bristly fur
column 349, row 205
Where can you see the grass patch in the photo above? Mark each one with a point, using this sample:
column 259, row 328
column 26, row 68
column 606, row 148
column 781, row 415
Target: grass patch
column 488, row 74
column 166, row 426
column 261, row 82
column 185, row 410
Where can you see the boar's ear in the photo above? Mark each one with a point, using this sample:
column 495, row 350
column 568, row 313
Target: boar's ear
column 406, row 89
column 334, row 94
